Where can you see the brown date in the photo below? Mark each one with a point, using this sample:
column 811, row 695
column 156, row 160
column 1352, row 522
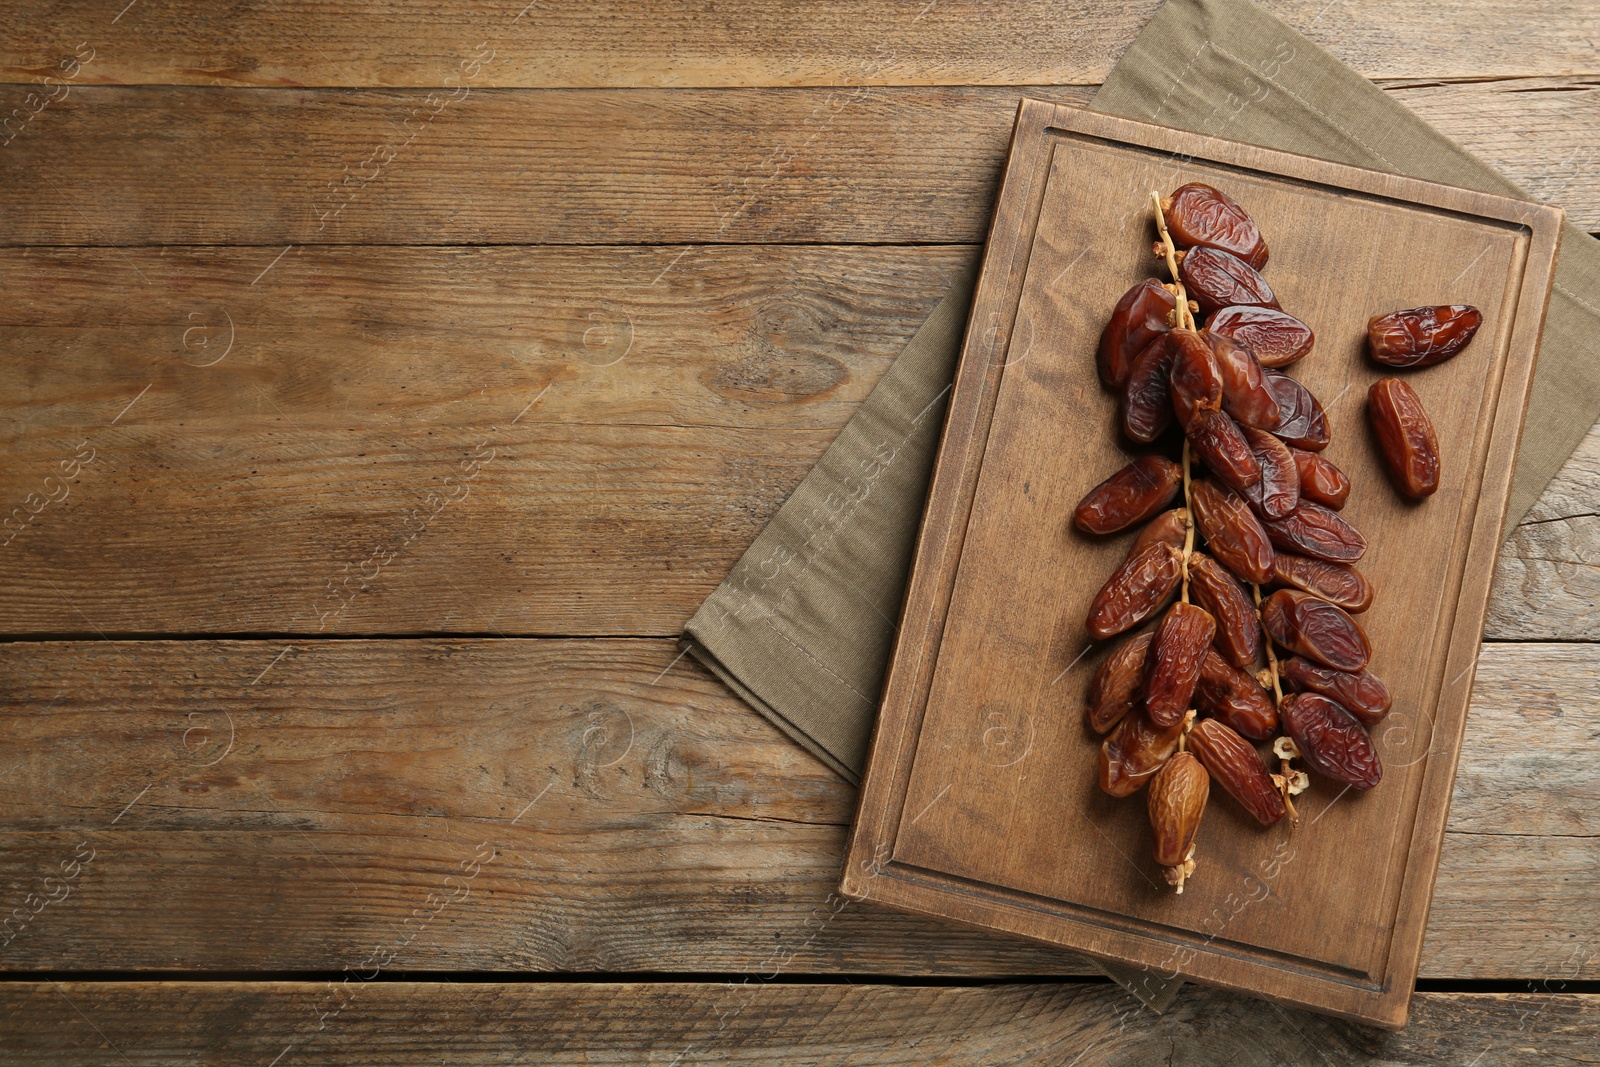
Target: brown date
column 1196, row 383
column 1134, row 752
column 1405, row 436
column 1236, row 698
column 1131, row 495
column 1333, row 741
column 1358, row 692
column 1336, row 583
column 1136, row 590
column 1197, row 214
column 1232, row 531
column 1245, row 395
column 1320, row 481
column 1216, row 279
column 1421, row 337
column 1278, row 491
column 1177, row 800
column 1139, row 318
column 1169, row 528
column 1312, row 530
column 1301, row 420
column 1220, row 445
column 1233, row 762
column 1147, row 395
column 1315, row 629
column 1238, row 627
column 1275, row 337
column 1172, row 666
column 1117, row 683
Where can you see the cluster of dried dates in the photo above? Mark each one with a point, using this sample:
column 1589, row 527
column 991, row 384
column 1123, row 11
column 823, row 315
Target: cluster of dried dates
column 1186, row 701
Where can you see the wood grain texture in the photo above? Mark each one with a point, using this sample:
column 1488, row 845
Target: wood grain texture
column 394, row 1024
column 679, row 831
column 555, row 43
column 851, row 164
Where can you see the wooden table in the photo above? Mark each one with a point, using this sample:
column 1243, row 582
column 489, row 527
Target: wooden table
column 385, row 386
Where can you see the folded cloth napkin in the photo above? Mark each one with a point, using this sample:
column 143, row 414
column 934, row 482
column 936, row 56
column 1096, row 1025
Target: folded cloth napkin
column 802, row 627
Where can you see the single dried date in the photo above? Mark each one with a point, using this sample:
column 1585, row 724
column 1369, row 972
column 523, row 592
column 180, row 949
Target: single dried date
column 1316, row 629
column 1333, row 741
column 1172, row 666
column 1312, row 530
column 1320, row 481
column 1238, row 627
column 1216, row 279
column 1405, row 436
column 1232, row 531
column 1131, row 495
column 1117, row 683
column 1233, row 762
column 1136, row 590
column 1196, row 382
column 1198, row 214
column 1360, row 693
column 1421, row 337
column 1236, row 698
column 1134, row 752
column 1177, row 800
column 1220, row 445
column 1278, row 491
column 1139, row 318
column 1301, row 420
column 1336, row 583
column 1274, row 337
column 1245, row 395
column 1169, row 528
column 1147, row 394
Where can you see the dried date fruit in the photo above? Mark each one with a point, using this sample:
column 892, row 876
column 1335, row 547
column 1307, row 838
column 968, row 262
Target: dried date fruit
column 1172, row 666
column 1197, row 214
column 1219, row 444
column 1147, row 395
column 1278, row 491
column 1238, row 627
column 1215, row 279
column 1313, row 628
column 1135, row 591
column 1131, row 495
column 1169, row 528
column 1405, row 436
column 1232, row 532
column 1312, row 530
column 1301, row 420
column 1196, row 383
column 1421, row 337
column 1236, row 698
column 1177, row 800
column 1333, row 741
column 1117, row 683
column 1358, row 692
column 1337, row 583
column 1139, row 318
column 1320, row 481
column 1233, row 762
column 1245, row 395
column 1274, row 337
column 1134, row 752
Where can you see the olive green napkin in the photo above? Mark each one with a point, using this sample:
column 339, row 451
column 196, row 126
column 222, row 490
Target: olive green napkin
column 802, row 628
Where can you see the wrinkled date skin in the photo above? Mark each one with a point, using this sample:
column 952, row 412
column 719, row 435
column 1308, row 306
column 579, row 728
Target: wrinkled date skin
column 1134, row 752
column 1238, row 627
column 1197, row 214
column 1219, row 444
column 1177, row 800
column 1245, row 395
column 1278, row 491
column 1129, row 496
column 1315, row 629
column 1235, row 698
column 1333, row 742
column 1336, row 583
column 1167, row 528
column 1421, row 337
column 1233, row 762
column 1135, row 591
column 1405, row 436
column 1147, row 396
column 1117, row 684
column 1320, row 481
column 1172, row 666
column 1216, row 279
column 1274, row 337
column 1139, row 318
column 1196, row 382
column 1232, row 532
column 1358, row 692
column 1301, row 420
column 1312, row 530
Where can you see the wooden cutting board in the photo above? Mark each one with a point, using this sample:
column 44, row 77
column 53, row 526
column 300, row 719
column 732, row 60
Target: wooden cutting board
column 980, row 803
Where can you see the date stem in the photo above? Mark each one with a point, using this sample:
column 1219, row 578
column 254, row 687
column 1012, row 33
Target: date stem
column 1185, row 317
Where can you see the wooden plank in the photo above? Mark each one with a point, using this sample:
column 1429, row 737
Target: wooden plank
column 854, row 164
column 671, row 828
column 768, row 42
column 400, row 1023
